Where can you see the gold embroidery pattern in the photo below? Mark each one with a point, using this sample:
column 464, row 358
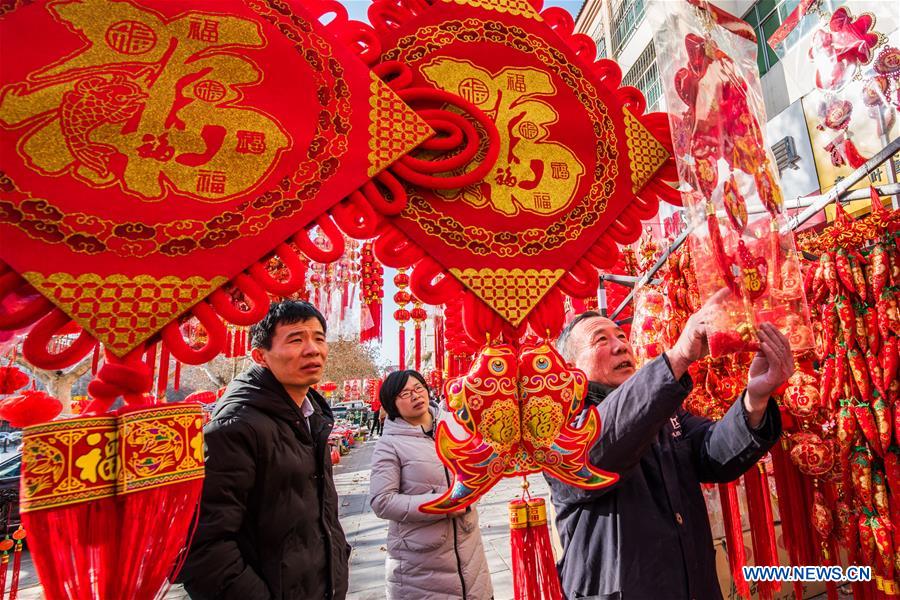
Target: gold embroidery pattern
column 520, row 8
column 159, row 446
column 68, row 462
column 90, row 233
column 500, row 425
column 542, row 420
column 416, row 49
column 394, row 128
column 122, row 311
column 510, row 292
column 646, row 154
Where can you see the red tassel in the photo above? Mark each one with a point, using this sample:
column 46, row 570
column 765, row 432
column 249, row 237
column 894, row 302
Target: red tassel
column 799, row 539
column 163, row 380
column 402, row 343
column 418, row 340
column 5, row 546
column 177, row 383
column 19, row 536
column 95, row 359
column 851, row 153
column 539, row 543
column 439, row 343
column 734, row 536
column 151, row 550
column 73, row 549
column 518, row 532
column 762, row 526
column 150, row 360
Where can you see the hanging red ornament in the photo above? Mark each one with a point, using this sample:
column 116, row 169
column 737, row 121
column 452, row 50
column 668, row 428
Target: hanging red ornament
column 372, row 290
column 401, row 315
column 418, row 316
column 203, row 397
column 29, row 408
column 11, row 379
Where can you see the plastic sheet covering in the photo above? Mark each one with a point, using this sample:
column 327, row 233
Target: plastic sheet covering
column 707, row 59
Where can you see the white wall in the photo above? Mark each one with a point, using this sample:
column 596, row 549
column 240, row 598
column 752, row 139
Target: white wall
column 802, row 181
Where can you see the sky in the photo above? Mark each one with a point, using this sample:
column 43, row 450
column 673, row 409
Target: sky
column 356, row 10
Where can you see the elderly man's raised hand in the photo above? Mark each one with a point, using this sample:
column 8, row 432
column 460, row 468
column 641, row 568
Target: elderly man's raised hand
column 771, row 368
column 692, row 344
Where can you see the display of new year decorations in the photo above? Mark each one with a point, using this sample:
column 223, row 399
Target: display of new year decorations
column 170, row 167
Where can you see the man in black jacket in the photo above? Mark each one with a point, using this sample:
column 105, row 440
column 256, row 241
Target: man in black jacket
column 648, row 536
column 268, row 517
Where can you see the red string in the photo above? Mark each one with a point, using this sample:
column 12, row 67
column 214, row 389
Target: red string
column 4, row 567
column 418, row 341
column 129, row 377
column 163, row 380
column 734, row 536
column 17, row 569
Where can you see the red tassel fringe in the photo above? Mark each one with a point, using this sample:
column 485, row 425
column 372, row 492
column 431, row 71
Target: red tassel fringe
column 734, row 536
column 762, row 526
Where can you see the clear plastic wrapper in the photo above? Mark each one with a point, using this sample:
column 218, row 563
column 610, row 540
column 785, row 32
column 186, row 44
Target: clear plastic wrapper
column 707, row 59
column 844, row 58
column 648, row 324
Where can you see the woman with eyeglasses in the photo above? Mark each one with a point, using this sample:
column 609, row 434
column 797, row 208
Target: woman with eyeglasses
column 429, row 557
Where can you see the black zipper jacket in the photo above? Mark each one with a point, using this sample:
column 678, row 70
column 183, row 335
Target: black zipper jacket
column 647, row 537
column 268, row 523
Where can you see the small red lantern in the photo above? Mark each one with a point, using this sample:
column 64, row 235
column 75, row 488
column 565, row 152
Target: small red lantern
column 401, row 279
column 418, row 314
column 12, row 379
column 402, row 297
column 29, row 408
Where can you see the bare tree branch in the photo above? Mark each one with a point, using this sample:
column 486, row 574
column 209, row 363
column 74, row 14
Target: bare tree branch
column 59, row 383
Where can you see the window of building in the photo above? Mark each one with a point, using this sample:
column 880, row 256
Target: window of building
column 766, row 16
column 599, row 37
column 644, row 75
column 628, row 15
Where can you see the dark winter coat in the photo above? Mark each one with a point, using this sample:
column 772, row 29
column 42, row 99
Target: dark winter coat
column 647, row 536
column 269, row 514
column 429, row 557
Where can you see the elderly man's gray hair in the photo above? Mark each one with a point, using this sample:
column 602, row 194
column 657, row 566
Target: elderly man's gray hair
column 562, row 342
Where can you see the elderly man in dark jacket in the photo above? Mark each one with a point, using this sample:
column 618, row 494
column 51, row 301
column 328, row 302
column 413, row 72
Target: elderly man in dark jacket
column 647, row 537
column 268, row 518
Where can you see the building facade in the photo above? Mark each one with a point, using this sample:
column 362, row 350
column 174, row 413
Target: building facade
column 624, row 33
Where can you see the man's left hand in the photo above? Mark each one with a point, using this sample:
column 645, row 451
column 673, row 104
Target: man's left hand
column 771, row 367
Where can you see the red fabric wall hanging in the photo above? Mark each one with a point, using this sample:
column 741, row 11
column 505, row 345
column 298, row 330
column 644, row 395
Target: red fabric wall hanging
column 575, row 166
column 153, row 150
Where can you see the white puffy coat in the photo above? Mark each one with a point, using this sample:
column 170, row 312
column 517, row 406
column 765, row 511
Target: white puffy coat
column 429, row 557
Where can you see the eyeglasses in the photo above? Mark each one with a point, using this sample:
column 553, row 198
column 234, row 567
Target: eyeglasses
column 407, row 394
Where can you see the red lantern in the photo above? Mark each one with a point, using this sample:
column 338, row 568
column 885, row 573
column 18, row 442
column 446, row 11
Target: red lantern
column 401, row 279
column 401, row 315
column 29, row 408
column 402, row 297
column 327, row 387
column 11, row 379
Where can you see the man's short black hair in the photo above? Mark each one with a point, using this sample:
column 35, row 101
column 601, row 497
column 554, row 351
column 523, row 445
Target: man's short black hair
column 562, row 342
column 391, row 388
column 286, row 312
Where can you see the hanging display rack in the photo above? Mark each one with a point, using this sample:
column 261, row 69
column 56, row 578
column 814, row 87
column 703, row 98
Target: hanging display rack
column 840, row 192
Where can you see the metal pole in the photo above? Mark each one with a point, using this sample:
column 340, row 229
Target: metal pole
column 656, row 267
column 842, row 186
column 891, row 189
column 817, row 204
